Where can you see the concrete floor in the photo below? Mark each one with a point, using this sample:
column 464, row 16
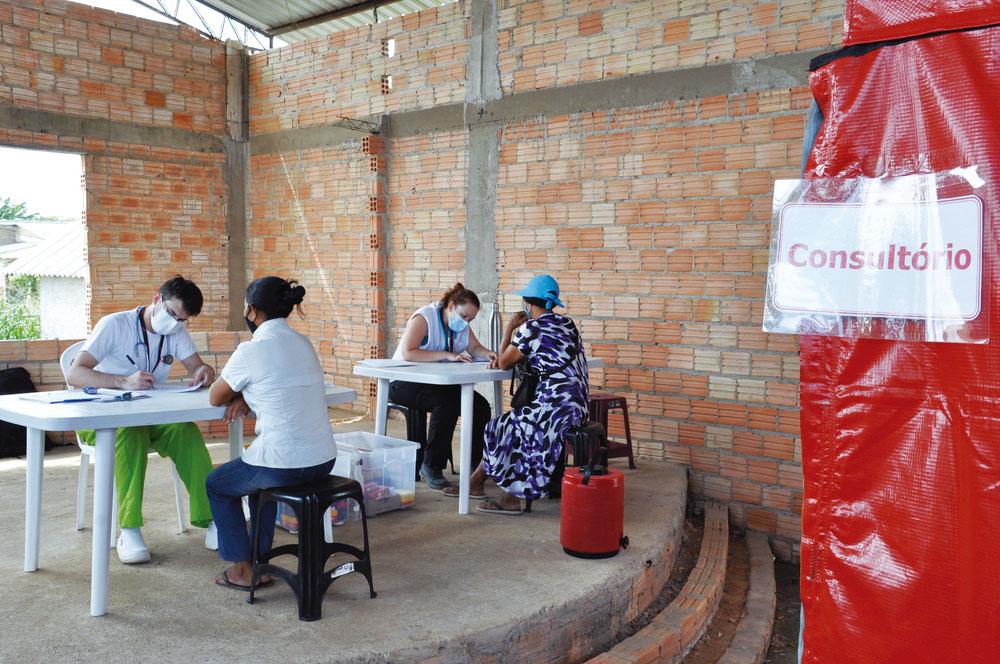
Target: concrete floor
column 447, row 584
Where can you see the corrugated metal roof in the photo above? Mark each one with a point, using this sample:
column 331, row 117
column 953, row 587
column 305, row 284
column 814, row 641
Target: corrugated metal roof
column 269, row 16
column 61, row 255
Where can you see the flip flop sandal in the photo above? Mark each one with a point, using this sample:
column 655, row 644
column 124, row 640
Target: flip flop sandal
column 454, row 493
column 226, row 583
column 496, row 509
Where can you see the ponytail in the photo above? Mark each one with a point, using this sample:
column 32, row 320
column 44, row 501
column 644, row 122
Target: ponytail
column 459, row 294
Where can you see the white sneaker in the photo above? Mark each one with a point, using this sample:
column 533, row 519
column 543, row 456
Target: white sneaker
column 212, row 537
column 131, row 547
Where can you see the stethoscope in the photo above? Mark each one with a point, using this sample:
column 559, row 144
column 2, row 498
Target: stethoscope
column 143, row 343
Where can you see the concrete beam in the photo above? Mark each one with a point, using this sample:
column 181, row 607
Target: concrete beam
column 482, row 68
column 306, row 138
column 483, row 103
column 237, row 175
column 482, row 272
column 49, row 122
column 781, row 71
column 482, row 63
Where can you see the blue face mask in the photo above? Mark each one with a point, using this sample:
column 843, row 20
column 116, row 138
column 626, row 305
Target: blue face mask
column 456, row 323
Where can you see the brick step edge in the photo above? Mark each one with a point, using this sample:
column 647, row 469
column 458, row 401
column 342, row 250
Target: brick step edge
column 675, row 630
column 749, row 644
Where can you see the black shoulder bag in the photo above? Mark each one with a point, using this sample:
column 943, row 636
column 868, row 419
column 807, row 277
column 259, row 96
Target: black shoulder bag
column 526, row 379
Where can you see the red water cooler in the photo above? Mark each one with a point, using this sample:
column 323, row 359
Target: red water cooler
column 593, row 510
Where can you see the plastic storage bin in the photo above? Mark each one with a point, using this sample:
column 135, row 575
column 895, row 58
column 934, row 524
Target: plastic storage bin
column 342, row 512
column 385, row 467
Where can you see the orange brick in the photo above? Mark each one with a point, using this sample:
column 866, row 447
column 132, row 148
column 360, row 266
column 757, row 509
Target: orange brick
column 676, row 31
column 13, row 351
column 590, row 24
column 42, row 350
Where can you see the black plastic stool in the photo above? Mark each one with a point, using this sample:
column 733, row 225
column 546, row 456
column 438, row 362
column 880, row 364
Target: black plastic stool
column 584, row 440
column 416, row 432
column 309, row 502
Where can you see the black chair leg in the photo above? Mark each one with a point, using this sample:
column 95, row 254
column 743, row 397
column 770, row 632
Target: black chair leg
column 310, row 563
column 255, row 509
column 368, row 558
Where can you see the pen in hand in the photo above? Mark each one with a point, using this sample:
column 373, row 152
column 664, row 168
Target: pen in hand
column 140, row 380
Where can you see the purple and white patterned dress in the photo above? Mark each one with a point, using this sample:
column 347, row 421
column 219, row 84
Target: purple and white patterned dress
column 522, row 445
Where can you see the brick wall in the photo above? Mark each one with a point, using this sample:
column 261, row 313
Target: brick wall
column 341, row 75
column 549, row 43
column 310, row 222
column 655, row 221
column 426, row 204
column 66, row 57
column 151, row 212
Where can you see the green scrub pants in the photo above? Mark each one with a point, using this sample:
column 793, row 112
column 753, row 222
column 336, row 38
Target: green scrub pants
column 182, row 443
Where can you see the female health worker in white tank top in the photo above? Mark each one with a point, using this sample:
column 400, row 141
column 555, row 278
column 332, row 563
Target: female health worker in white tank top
column 440, row 332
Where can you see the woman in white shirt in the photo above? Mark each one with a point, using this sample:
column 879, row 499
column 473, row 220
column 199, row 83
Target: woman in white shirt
column 278, row 376
column 440, row 332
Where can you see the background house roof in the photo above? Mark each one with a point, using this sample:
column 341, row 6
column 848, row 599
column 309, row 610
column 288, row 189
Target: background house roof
column 62, row 254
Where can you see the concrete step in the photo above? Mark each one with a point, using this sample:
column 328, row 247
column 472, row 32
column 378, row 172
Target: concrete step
column 675, row 630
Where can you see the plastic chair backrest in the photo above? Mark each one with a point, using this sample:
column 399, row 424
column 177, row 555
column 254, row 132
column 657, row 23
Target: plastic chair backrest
column 67, row 357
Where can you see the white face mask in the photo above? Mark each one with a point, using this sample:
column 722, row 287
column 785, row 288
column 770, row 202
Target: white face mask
column 164, row 323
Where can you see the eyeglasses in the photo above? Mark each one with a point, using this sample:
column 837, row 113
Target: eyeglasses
column 170, row 313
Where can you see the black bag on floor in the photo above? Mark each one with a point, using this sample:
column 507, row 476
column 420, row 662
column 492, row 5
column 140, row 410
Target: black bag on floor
column 13, row 437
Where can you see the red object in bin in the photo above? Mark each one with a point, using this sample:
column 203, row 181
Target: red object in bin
column 593, row 514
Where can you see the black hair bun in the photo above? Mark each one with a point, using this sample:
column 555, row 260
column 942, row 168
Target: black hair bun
column 295, row 293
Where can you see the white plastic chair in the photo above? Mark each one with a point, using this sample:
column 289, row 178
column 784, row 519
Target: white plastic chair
column 87, row 451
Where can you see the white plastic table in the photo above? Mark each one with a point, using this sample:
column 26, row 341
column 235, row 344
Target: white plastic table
column 106, row 418
column 446, row 373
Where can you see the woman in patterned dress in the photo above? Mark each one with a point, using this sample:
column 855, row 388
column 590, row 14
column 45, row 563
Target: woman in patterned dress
column 522, row 446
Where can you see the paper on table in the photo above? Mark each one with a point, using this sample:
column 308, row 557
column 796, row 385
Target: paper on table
column 60, row 396
column 165, row 387
column 386, row 363
column 173, row 387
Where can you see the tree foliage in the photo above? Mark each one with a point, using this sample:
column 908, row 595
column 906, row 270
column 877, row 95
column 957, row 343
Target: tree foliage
column 10, row 210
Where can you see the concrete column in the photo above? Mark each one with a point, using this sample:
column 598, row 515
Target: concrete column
column 237, row 174
column 483, row 76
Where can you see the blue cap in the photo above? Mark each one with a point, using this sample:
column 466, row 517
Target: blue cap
column 543, row 287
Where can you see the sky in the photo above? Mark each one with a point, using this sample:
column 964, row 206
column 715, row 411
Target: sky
column 49, row 182
column 185, row 12
column 126, row 7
